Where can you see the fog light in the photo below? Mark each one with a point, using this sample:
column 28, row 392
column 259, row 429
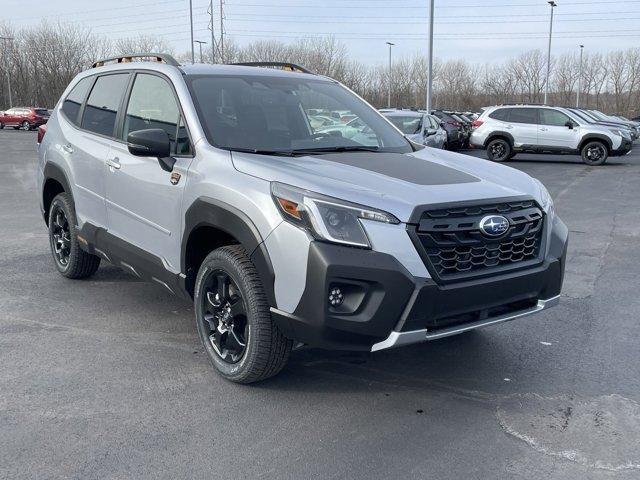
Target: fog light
column 336, row 297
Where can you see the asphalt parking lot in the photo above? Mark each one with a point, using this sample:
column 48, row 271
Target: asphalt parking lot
column 106, row 378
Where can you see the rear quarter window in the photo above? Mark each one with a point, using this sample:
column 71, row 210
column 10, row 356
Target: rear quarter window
column 501, row 114
column 73, row 102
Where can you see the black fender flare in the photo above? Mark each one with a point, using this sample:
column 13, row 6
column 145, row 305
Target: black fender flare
column 499, row 133
column 210, row 212
column 53, row 172
column 595, row 136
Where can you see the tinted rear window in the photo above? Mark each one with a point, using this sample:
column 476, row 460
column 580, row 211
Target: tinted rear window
column 501, row 114
column 103, row 103
column 71, row 104
column 523, row 115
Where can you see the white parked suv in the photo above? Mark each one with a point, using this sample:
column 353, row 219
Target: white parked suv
column 210, row 181
column 510, row 129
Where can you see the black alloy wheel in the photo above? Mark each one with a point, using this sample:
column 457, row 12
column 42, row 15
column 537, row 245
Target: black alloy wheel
column 225, row 316
column 498, row 150
column 60, row 236
column 594, row 153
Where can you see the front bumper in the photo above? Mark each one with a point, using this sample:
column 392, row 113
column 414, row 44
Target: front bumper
column 385, row 306
column 624, row 148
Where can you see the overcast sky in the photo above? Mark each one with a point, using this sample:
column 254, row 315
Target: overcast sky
column 478, row 30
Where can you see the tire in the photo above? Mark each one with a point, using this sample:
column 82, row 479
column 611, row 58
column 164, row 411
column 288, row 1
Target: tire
column 594, row 153
column 26, row 126
column 234, row 320
column 498, row 150
column 70, row 260
column 1, row 126
column 445, row 146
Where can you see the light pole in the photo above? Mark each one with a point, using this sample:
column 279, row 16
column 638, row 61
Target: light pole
column 430, row 60
column 200, row 42
column 579, row 78
column 389, row 93
column 6, row 65
column 546, row 84
column 193, row 53
column 213, row 40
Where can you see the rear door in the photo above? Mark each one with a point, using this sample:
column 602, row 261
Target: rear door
column 10, row 117
column 553, row 131
column 143, row 200
column 87, row 135
column 522, row 124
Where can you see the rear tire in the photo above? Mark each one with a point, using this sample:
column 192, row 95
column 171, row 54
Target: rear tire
column 1, row 126
column 594, row 153
column 234, row 319
column 70, row 260
column 499, row 150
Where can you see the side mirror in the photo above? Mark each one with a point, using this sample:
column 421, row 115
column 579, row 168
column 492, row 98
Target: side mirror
column 569, row 124
column 442, row 124
column 430, row 131
column 153, row 142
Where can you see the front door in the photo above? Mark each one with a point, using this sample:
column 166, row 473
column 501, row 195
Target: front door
column 555, row 133
column 143, row 200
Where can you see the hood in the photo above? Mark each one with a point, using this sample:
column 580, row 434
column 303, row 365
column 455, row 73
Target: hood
column 393, row 182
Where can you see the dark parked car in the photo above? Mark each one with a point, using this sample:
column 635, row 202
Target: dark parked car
column 27, row 118
column 454, row 127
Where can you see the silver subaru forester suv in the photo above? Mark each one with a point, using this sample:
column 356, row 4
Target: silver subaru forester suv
column 211, row 182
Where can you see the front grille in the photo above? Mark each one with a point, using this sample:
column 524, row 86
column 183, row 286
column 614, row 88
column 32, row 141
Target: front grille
column 454, row 248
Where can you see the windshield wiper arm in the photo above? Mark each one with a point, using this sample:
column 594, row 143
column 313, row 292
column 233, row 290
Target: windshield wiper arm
column 345, row 148
column 257, row 151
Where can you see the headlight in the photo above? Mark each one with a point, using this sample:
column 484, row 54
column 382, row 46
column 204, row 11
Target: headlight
column 326, row 218
column 617, row 132
column 545, row 198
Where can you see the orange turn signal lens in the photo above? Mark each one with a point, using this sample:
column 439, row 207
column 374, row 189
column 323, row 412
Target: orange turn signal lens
column 290, row 207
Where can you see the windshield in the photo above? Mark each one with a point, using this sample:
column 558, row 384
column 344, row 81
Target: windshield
column 409, row 125
column 287, row 114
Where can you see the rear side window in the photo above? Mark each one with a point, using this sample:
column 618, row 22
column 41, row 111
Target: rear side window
column 523, row 115
column 553, row 118
column 71, row 104
column 501, row 114
column 152, row 104
column 103, row 102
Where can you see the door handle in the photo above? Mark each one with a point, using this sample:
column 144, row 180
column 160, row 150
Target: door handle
column 543, row 129
column 509, row 127
column 67, row 148
column 114, row 163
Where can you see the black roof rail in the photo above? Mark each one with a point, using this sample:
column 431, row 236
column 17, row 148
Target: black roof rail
column 152, row 57
column 282, row 65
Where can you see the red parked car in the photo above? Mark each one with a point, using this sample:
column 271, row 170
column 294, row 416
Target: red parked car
column 26, row 118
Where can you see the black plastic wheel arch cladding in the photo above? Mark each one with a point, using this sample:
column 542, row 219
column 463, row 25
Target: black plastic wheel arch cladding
column 209, row 212
column 53, row 172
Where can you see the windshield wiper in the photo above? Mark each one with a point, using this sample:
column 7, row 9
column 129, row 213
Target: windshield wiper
column 345, row 148
column 257, row 151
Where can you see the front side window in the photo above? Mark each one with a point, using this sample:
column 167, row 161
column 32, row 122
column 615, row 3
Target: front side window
column 152, row 104
column 276, row 114
column 73, row 102
column 523, row 115
column 103, row 103
column 553, row 118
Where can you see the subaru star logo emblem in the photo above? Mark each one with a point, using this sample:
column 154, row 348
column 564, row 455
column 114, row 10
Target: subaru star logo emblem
column 494, row 225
